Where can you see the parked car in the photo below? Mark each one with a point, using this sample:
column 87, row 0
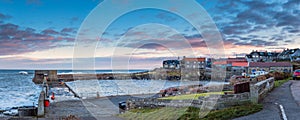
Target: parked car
column 296, row 74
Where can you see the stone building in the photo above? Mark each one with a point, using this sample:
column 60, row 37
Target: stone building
column 193, row 68
column 171, row 64
column 289, row 55
column 40, row 74
column 270, row 66
column 194, row 63
column 256, row 56
column 239, row 67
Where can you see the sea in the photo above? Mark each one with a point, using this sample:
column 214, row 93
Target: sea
column 17, row 90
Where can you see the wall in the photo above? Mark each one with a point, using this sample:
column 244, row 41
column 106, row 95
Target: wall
column 268, row 69
column 41, row 108
column 40, row 74
column 282, row 69
column 259, row 90
column 213, row 102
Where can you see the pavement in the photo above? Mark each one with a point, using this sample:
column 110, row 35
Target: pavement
column 104, row 108
column 287, row 95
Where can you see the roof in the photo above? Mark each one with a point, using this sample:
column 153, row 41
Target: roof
column 194, row 59
column 230, row 61
column 240, row 64
column 220, row 62
column 249, row 56
column 270, row 64
column 274, row 54
column 171, row 61
column 236, row 59
column 288, row 52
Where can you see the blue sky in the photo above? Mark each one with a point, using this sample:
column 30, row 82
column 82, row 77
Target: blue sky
column 40, row 34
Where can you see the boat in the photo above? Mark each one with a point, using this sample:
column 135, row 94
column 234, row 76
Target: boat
column 23, row 72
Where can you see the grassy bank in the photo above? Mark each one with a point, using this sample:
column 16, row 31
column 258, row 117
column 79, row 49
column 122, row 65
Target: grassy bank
column 191, row 113
column 280, row 82
column 191, row 96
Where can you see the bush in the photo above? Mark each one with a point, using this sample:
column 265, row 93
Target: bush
column 279, row 75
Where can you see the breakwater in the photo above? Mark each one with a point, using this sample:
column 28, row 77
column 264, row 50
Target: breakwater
column 156, row 74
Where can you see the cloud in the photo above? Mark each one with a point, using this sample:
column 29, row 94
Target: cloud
column 4, row 17
column 29, row 63
column 68, row 30
column 154, row 46
column 258, row 23
column 50, row 32
column 17, row 40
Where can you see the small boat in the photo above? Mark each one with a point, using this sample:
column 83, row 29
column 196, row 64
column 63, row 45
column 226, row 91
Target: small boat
column 23, row 73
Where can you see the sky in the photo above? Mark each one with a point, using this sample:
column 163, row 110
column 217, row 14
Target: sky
column 42, row 34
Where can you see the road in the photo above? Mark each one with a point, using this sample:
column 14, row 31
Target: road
column 287, row 95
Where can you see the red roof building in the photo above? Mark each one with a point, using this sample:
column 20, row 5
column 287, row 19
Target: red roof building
column 240, row 64
column 270, row 64
column 195, row 63
column 194, row 59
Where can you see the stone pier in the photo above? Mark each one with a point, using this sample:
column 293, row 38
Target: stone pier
column 40, row 74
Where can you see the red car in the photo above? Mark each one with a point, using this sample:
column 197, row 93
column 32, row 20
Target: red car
column 296, row 74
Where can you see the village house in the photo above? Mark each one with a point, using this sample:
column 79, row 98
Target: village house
column 171, row 64
column 228, row 63
column 256, row 56
column 289, row 55
column 233, row 66
column 194, row 63
column 192, row 68
column 270, row 66
column 239, row 67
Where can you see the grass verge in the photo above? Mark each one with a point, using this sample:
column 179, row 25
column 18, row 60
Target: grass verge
column 190, row 113
column 191, row 96
column 280, row 82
